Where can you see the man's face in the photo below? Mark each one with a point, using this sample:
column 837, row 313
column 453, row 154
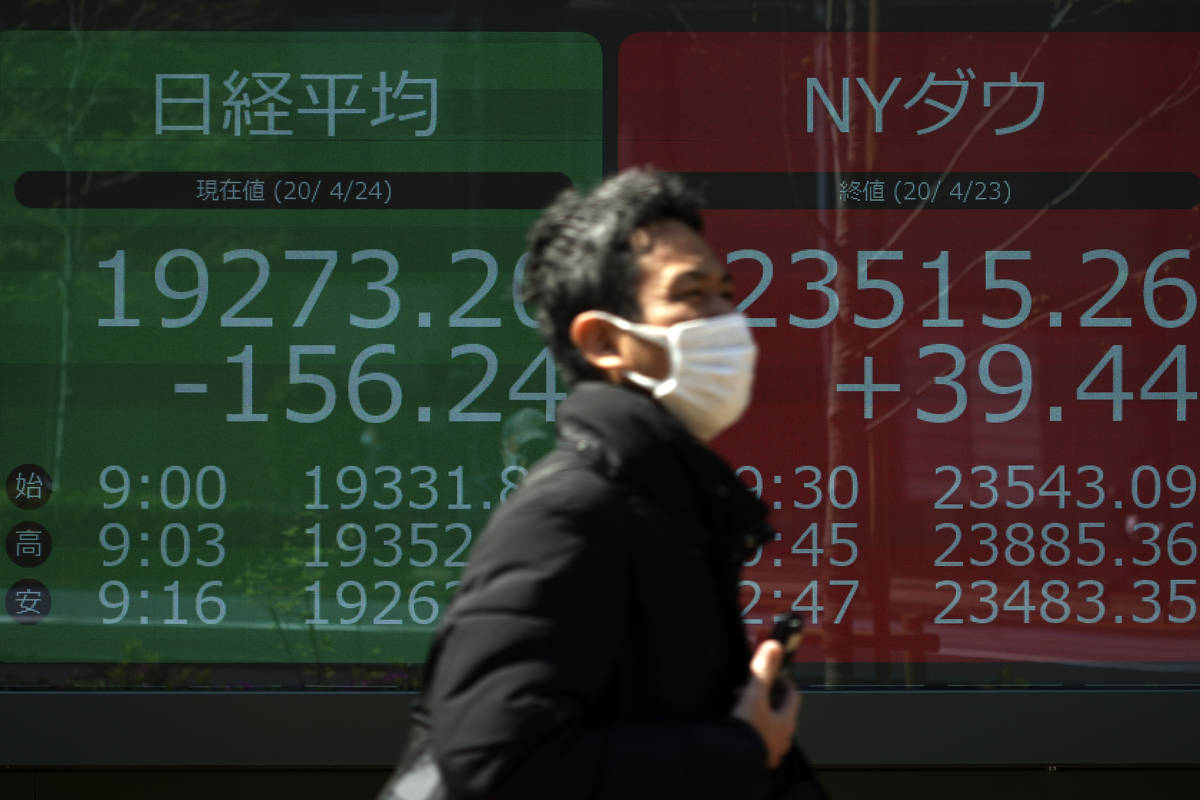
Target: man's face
column 681, row 280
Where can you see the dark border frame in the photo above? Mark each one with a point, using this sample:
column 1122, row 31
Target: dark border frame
column 164, row 729
column 367, row 729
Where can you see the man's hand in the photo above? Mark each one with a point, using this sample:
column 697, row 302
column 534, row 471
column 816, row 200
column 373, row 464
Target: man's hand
column 775, row 726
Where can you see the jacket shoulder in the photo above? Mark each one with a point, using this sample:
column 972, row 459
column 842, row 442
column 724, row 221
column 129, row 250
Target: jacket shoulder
column 566, row 517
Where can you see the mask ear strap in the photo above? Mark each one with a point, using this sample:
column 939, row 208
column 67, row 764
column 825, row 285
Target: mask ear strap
column 644, row 381
column 654, row 335
column 650, row 333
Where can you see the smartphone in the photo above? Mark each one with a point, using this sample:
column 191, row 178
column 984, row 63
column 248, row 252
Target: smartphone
column 787, row 630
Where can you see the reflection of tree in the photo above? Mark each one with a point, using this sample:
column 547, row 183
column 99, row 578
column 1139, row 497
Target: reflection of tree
column 60, row 114
column 57, row 115
column 1186, row 89
column 57, row 121
column 271, row 583
column 845, row 343
column 852, row 442
column 139, row 667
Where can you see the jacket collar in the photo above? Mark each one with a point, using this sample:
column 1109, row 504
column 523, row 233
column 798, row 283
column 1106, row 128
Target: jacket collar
column 642, row 444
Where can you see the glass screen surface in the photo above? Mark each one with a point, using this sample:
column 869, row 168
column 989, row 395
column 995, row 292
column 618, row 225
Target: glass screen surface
column 267, row 371
column 969, row 260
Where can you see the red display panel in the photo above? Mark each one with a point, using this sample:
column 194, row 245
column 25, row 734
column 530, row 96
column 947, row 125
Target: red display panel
column 970, row 261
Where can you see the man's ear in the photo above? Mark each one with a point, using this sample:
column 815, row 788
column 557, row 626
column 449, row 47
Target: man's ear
column 595, row 338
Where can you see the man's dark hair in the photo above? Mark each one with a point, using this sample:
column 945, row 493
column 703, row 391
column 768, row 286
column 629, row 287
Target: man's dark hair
column 581, row 258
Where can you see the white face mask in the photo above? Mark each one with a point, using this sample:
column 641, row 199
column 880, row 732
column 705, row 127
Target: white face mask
column 712, row 369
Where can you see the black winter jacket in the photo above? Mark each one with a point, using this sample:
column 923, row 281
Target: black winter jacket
column 595, row 644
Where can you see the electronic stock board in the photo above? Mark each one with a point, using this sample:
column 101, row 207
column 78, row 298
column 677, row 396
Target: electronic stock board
column 267, row 372
column 968, row 260
column 269, row 369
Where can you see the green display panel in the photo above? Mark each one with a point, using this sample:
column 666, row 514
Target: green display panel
column 266, row 370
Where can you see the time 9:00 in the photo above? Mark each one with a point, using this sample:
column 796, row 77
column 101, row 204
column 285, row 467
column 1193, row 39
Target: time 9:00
column 175, row 486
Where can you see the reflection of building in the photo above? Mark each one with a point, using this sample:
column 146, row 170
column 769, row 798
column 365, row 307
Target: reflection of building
column 969, row 440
